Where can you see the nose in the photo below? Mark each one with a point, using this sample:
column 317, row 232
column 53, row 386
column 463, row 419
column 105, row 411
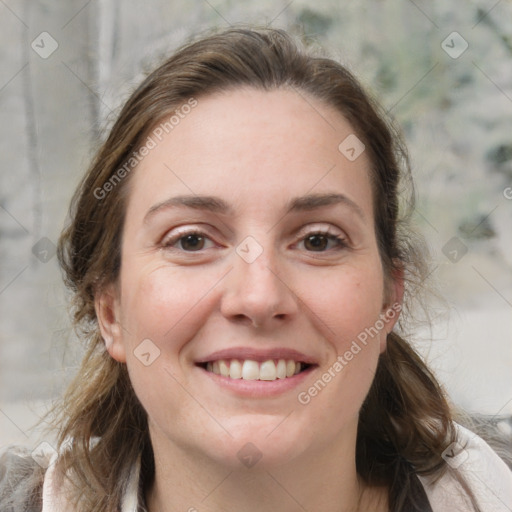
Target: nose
column 258, row 294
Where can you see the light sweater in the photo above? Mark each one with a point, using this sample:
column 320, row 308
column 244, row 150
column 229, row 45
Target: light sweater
column 487, row 475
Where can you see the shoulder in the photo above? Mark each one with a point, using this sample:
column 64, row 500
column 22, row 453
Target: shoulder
column 486, row 475
column 21, row 480
column 29, row 482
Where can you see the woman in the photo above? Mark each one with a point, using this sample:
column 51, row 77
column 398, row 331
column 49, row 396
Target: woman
column 239, row 264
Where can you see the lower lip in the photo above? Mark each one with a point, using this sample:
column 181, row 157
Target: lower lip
column 259, row 388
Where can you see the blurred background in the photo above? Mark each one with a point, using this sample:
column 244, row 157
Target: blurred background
column 442, row 69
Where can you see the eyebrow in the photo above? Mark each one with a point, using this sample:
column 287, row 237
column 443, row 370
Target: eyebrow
column 213, row 204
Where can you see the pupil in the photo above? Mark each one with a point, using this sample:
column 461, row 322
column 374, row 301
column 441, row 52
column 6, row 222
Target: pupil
column 317, row 241
column 192, row 242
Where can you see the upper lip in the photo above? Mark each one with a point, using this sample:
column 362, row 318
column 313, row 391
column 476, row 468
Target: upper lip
column 258, row 354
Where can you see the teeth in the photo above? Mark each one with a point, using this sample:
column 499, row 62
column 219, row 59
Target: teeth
column 224, row 368
column 268, row 371
column 252, row 370
column 290, row 368
column 281, row 369
column 235, row 369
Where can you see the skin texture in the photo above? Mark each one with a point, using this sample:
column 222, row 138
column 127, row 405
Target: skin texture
column 256, row 151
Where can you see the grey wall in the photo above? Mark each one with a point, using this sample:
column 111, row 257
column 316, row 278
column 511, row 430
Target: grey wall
column 456, row 111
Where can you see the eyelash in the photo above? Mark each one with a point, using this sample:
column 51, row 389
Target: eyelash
column 341, row 242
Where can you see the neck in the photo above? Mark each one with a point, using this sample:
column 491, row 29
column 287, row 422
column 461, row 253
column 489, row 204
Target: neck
column 326, row 480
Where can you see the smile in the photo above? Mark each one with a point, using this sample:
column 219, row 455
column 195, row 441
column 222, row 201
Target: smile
column 249, row 369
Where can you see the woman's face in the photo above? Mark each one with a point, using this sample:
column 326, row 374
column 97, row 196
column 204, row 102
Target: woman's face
column 249, row 247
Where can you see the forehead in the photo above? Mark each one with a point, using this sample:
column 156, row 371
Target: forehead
column 252, row 147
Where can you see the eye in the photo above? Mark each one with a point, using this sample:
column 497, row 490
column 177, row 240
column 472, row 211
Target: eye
column 320, row 241
column 194, row 240
column 189, row 241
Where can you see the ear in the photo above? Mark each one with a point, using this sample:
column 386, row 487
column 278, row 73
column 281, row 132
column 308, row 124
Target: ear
column 107, row 308
column 392, row 307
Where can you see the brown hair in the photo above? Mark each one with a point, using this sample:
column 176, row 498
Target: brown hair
column 405, row 422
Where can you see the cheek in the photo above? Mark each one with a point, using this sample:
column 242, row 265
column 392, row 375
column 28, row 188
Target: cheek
column 162, row 309
column 349, row 307
column 345, row 303
column 166, row 305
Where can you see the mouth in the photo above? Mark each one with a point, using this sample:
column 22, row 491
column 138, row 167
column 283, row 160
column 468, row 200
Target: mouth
column 257, row 372
column 250, row 369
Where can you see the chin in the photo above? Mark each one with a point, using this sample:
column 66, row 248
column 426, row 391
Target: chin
column 261, row 442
